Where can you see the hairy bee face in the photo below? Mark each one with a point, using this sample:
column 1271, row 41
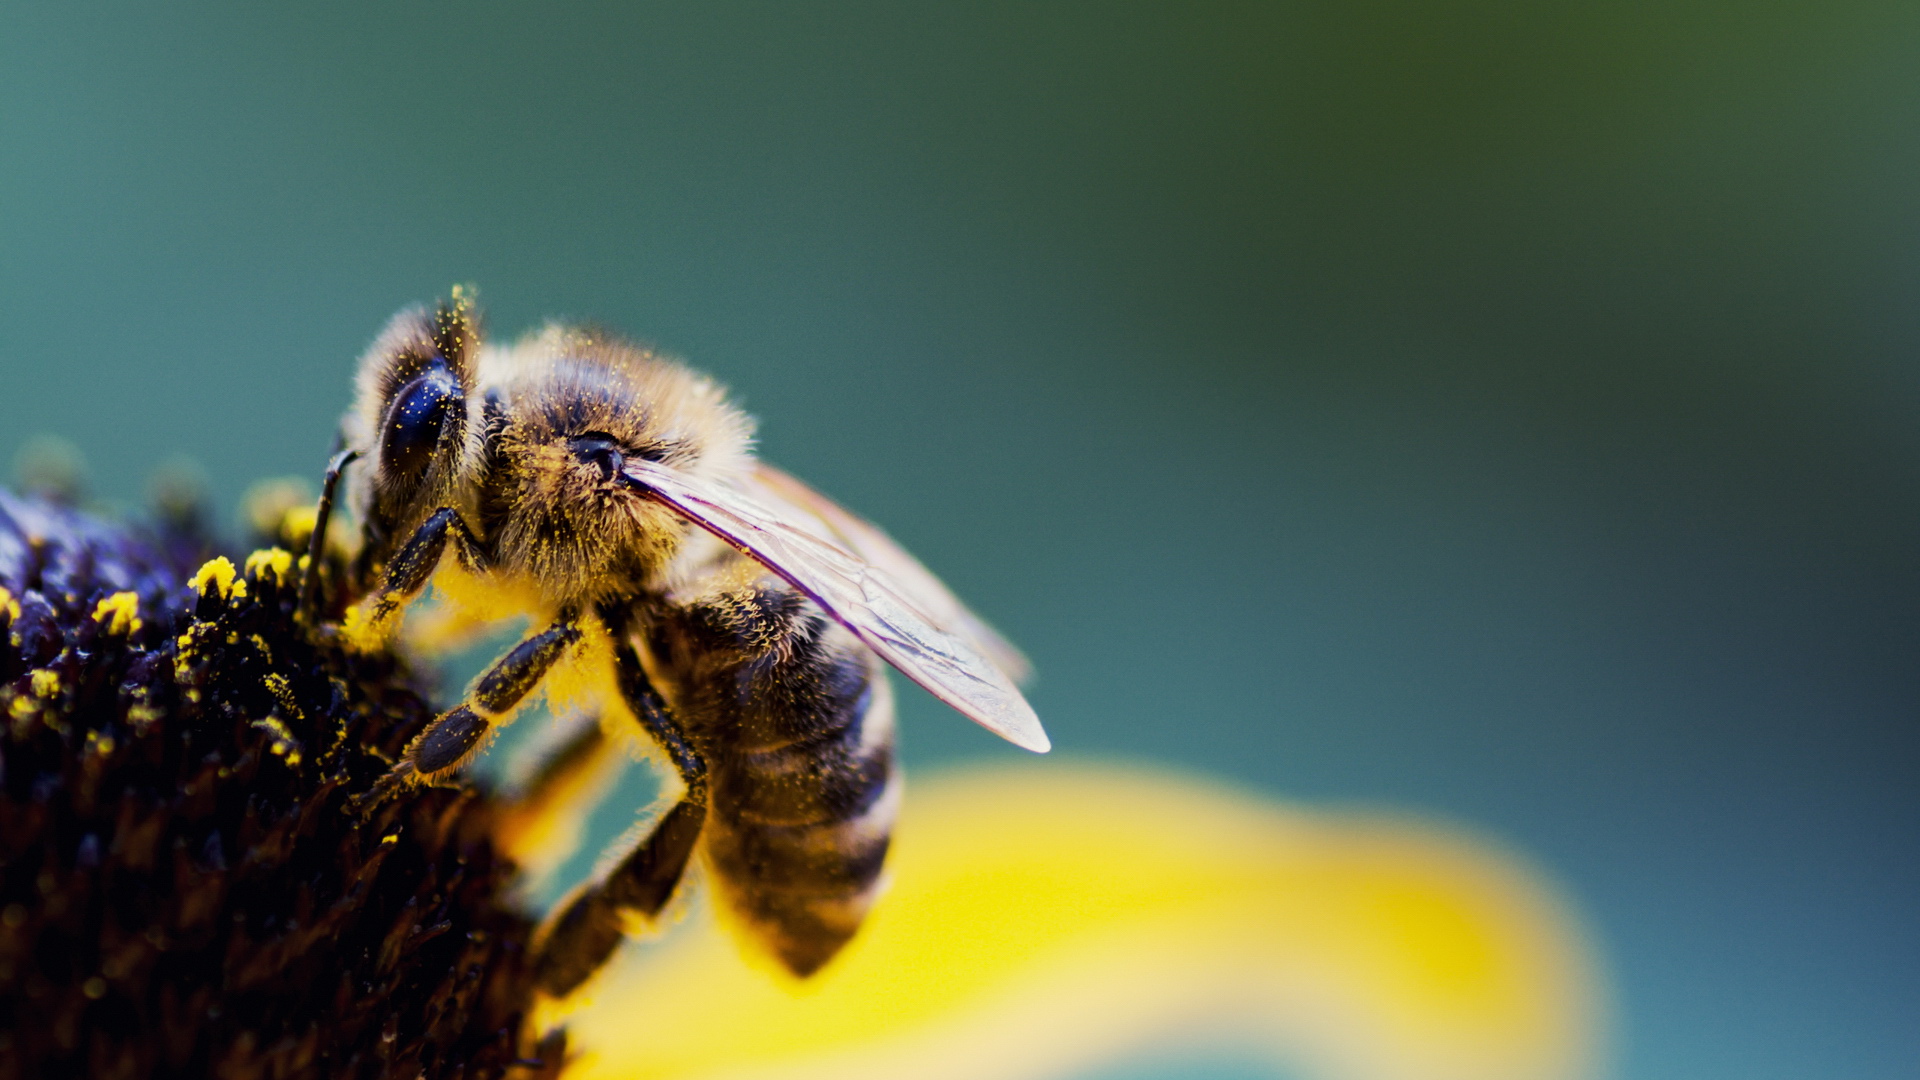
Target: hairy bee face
column 574, row 409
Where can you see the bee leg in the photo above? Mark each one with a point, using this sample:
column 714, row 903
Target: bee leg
column 408, row 573
column 584, row 933
column 456, row 733
column 658, row 720
column 317, row 542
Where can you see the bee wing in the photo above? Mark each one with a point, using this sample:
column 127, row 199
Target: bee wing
column 863, row 538
column 881, row 612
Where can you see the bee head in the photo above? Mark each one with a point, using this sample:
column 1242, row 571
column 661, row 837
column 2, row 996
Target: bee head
column 578, row 405
column 410, row 414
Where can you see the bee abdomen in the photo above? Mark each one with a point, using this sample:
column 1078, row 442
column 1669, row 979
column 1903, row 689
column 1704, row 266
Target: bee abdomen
column 820, row 782
column 803, row 890
column 797, row 836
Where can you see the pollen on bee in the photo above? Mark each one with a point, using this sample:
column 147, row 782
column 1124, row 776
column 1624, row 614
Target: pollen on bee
column 367, row 633
column 462, row 608
column 120, row 612
column 582, row 680
column 45, row 683
column 9, row 605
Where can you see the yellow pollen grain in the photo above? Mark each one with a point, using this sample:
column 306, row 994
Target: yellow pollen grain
column 274, row 561
column 45, row 683
column 282, row 691
column 217, row 572
column 121, row 613
column 9, row 604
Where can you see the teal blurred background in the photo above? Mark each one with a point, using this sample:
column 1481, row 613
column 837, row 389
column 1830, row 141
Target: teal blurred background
column 1500, row 410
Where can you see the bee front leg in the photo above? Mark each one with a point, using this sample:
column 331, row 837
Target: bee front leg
column 588, row 927
column 408, row 572
column 455, row 734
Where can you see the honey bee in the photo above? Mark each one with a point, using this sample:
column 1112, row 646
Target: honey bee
column 737, row 617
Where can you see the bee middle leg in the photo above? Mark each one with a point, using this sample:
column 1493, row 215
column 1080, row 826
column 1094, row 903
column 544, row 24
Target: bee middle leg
column 586, row 930
column 456, row 733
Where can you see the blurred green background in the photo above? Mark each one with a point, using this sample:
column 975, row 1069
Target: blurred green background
column 1500, row 410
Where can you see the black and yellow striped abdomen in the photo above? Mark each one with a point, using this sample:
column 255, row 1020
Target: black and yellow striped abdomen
column 794, row 719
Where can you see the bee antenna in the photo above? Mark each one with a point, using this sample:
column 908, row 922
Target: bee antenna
column 317, row 542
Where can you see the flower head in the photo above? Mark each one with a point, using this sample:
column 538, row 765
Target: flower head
column 181, row 890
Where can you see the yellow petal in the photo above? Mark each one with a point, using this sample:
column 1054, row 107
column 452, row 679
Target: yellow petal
column 1044, row 920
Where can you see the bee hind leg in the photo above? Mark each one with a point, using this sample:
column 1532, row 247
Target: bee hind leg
column 455, row 734
column 590, row 925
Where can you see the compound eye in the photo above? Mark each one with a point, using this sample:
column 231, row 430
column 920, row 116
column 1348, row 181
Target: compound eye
column 600, row 451
column 414, row 420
